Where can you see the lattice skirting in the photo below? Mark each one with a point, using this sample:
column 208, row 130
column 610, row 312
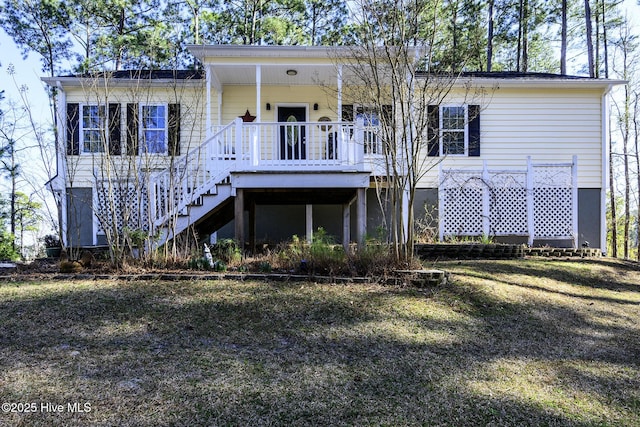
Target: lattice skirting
column 120, row 205
column 539, row 202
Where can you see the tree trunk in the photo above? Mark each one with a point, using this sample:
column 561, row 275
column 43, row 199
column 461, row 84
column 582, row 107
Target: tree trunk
column 587, row 18
column 627, row 178
column 596, row 56
column 490, row 36
column 612, row 200
column 454, row 35
column 519, row 48
column 604, row 42
column 525, row 36
column 13, row 198
column 637, row 148
column 563, row 41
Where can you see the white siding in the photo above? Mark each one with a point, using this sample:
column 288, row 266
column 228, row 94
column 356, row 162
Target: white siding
column 82, row 169
column 548, row 125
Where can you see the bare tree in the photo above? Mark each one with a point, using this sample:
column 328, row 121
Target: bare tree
column 626, row 45
column 589, row 31
column 113, row 154
column 26, row 141
column 392, row 73
column 636, row 143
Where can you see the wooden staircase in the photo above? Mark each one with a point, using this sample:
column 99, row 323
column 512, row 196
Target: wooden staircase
column 196, row 186
column 203, row 208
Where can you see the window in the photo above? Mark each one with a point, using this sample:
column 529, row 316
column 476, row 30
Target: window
column 154, row 128
column 93, row 129
column 453, row 130
column 453, row 127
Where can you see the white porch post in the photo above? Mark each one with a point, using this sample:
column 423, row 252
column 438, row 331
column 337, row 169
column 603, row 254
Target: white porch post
column 309, row 222
column 208, row 102
column 258, row 93
column 339, row 77
column 238, row 125
column 530, row 200
column 356, row 149
column 255, row 137
column 219, row 108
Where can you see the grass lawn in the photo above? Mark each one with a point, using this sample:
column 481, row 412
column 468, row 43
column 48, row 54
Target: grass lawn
column 527, row 342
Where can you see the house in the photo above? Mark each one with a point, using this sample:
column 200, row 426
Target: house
column 269, row 141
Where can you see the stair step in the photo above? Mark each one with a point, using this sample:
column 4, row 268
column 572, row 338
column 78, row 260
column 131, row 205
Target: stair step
column 196, row 210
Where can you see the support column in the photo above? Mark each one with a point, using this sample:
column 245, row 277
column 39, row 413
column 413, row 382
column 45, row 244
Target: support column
column 252, row 226
column 208, row 101
column 361, row 209
column 309, row 222
column 339, row 83
column 239, row 218
column 346, row 226
column 258, row 93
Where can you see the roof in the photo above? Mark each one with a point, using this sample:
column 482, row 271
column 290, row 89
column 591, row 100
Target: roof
column 125, row 77
column 143, row 74
column 236, row 64
column 521, row 75
column 528, row 79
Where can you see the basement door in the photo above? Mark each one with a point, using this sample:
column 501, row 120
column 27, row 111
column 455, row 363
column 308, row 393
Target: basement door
column 293, row 133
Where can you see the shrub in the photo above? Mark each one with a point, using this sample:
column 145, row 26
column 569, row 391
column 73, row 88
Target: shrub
column 372, row 259
column 226, row 250
column 7, row 252
column 51, row 241
column 321, row 256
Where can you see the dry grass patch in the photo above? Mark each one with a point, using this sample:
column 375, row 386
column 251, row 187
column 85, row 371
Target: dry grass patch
column 535, row 342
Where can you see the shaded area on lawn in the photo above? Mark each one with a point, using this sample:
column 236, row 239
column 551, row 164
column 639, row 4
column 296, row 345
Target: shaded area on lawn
column 488, row 349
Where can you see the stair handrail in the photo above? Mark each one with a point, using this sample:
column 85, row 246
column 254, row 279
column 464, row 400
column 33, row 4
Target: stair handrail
column 193, row 175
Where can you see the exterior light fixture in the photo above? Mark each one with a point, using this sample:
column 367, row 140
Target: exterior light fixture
column 292, row 72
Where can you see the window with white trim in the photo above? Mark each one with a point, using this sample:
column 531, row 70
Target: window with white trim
column 92, row 132
column 453, row 125
column 453, row 130
column 153, row 129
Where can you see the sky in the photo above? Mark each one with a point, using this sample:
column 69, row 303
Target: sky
column 29, row 70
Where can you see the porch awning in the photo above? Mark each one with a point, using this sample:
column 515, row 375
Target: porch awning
column 280, row 65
